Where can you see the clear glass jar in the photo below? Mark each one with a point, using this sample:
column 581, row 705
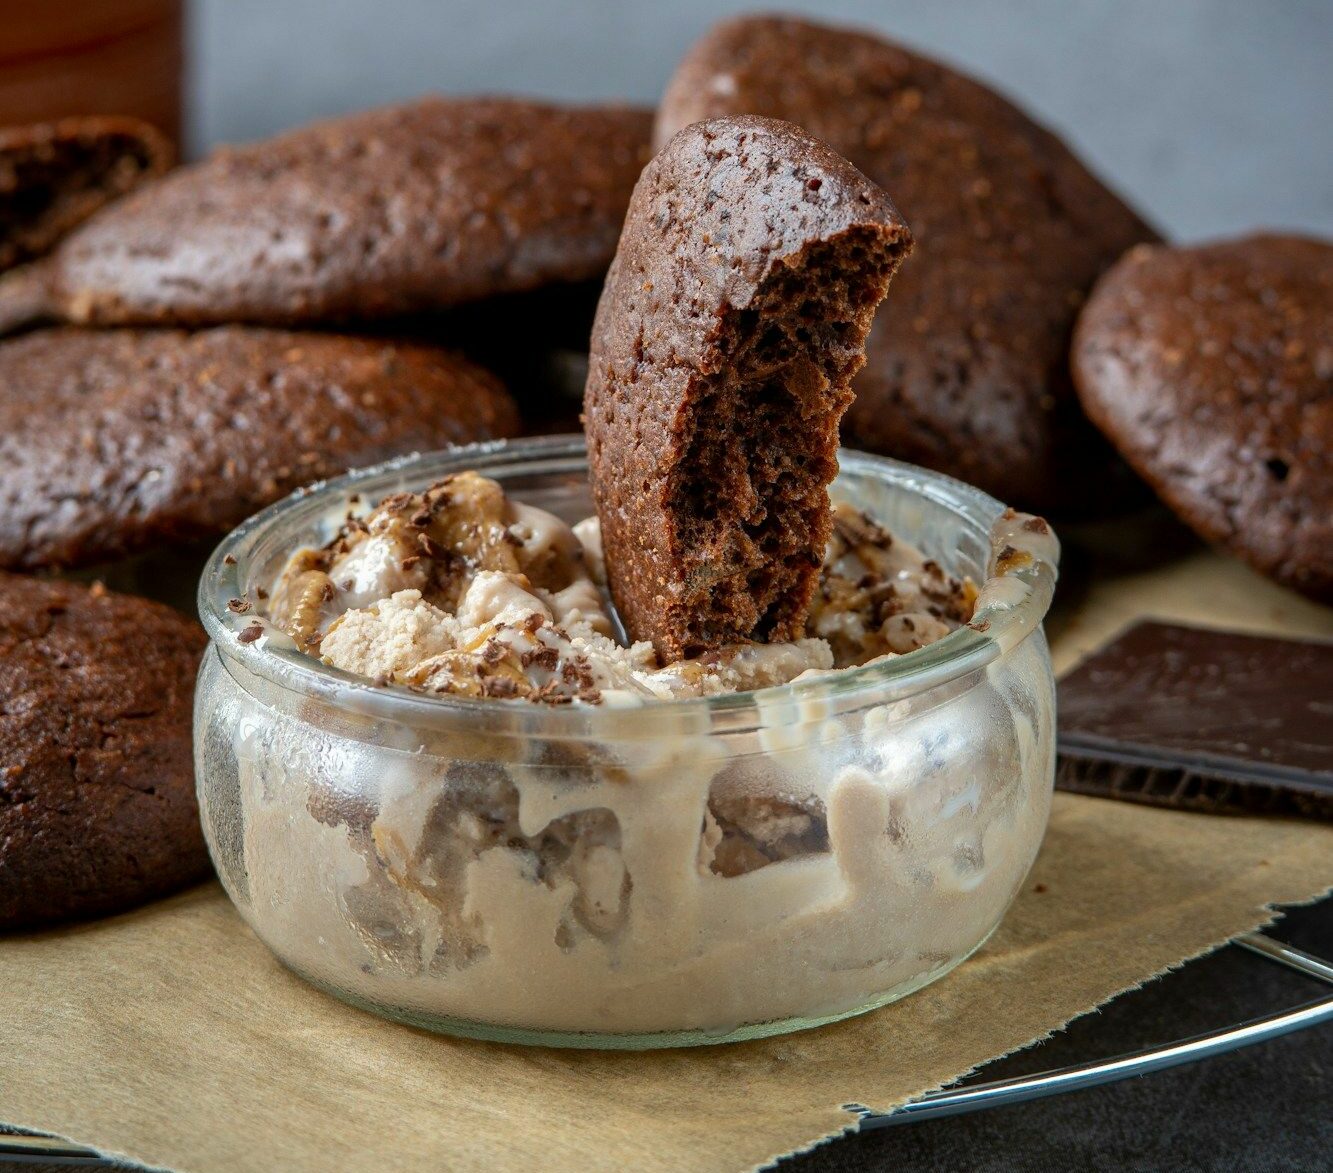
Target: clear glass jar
column 539, row 874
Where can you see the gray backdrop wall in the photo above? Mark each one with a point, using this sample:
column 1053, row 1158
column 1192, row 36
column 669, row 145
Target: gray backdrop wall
column 1212, row 115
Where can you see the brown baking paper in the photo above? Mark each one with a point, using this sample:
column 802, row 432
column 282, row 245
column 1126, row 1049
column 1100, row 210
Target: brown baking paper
column 170, row 1035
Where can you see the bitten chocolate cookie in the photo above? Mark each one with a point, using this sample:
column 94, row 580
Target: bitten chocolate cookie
column 1211, row 369
column 406, row 208
column 54, row 175
column 112, row 442
column 969, row 373
column 732, row 322
column 97, row 806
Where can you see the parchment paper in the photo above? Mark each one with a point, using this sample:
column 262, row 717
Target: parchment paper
column 170, row 1035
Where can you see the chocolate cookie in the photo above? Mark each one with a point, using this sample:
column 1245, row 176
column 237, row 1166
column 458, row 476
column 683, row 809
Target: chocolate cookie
column 97, row 806
column 405, row 208
column 732, row 322
column 1211, row 369
column 54, row 175
column 967, row 372
column 115, row 441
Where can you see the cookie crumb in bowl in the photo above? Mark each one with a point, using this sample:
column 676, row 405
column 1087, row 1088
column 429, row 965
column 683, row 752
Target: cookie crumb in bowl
column 708, row 867
column 460, row 591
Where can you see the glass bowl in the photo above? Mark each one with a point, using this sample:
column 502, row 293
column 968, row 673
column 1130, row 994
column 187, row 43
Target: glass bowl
column 552, row 875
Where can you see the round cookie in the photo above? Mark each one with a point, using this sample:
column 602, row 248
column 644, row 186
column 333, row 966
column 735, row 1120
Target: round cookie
column 54, row 175
column 966, row 367
column 1211, row 369
column 406, row 208
column 117, row 441
column 97, row 805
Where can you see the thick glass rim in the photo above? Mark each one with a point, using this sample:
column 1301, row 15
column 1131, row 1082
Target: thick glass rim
column 1013, row 602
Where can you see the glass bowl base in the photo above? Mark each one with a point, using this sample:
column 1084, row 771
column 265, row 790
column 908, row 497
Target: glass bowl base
column 646, row 1041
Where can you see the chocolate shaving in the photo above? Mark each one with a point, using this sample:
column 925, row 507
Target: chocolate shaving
column 541, row 656
column 431, row 547
column 250, row 634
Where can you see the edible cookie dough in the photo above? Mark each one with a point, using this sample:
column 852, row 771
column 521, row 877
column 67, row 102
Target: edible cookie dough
column 113, row 442
column 966, row 370
column 97, row 806
column 405, row 208
column 1211, row 369
column 731, row 324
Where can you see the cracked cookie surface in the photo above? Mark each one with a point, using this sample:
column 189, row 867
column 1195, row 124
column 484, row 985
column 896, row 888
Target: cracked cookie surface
column 1211, row 369
column 117, row 441
column 97, row 804
column 411, row 207
column 966, row 369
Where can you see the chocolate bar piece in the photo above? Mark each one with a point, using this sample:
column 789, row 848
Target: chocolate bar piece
column 1201, row 719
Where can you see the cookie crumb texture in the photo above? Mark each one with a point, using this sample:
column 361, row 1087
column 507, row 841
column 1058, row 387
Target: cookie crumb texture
column 113, row 442
column 967, row 372
column 97, row 806
column 409, row 207
column 1211, row 369
column 732, row 322
column 54, row 175
column 457, row 590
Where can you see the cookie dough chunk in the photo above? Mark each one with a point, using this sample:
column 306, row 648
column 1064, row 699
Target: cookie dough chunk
column 97, row 806
column 54, row 175
column 113, row 442
column 732, row 322
column 406, row 208
column 1211, row 369
column 969, row 374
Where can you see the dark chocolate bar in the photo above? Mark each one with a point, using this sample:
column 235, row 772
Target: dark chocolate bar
column 1200, row 719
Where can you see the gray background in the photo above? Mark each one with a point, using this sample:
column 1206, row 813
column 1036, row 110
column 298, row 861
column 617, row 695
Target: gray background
column 1212, row 115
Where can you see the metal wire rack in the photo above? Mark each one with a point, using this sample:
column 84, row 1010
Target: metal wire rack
column 975, row 1097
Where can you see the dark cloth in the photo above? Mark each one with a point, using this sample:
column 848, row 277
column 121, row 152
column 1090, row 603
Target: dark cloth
column 1266, row 1107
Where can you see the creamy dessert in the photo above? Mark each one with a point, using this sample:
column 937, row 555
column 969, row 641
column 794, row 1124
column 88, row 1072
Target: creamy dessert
column 458, row 590
column 618, row 860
